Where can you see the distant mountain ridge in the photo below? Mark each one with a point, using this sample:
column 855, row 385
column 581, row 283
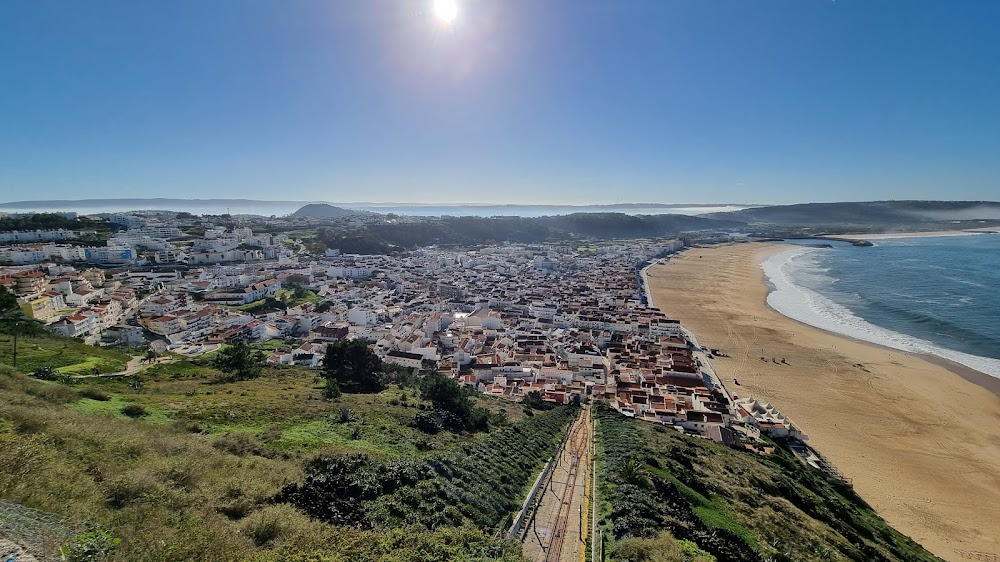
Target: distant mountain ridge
column 322, row 210
column 140, row 202
column 867, row 213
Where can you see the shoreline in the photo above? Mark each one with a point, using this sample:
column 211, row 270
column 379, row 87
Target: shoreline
column 927, row 234
column 917, row 434
column 976, row 376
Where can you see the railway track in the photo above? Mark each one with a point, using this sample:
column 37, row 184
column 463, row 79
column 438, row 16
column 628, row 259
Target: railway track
column 554, row 537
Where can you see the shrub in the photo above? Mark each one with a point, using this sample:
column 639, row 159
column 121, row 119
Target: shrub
column 95, row 394
column 241, row 445
column 90, row 547
column 332, row 389
column 134, row 410
column 129, row 489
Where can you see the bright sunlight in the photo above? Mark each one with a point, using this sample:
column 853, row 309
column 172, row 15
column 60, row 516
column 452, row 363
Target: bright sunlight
column 446, row 10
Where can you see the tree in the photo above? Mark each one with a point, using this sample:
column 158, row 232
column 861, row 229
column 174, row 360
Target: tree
column 449, row 398
column 8, row 303
column 445, row 394
column 534, row 401
column 240, row 362
column 296, row 280
column 332, row 389
column 354, row 366
column 13, row 318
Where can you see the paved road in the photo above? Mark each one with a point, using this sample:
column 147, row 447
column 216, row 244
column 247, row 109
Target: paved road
column 554, row 534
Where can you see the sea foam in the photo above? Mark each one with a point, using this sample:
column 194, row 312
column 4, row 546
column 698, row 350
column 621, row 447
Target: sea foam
column 809, row 307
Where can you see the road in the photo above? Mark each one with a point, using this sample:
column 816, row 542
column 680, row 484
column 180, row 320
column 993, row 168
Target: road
column 554, row 533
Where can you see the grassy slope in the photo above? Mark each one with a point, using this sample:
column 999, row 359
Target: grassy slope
column 193, row 479
column 70, row 356
column 734, row 504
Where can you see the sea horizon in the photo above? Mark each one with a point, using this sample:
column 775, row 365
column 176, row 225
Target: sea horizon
column 285, row 208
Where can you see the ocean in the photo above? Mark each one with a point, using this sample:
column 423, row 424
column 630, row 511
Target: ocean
column 283, row 208
column 935, row 295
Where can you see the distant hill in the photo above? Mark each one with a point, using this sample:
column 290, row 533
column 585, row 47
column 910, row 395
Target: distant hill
column 322, row 210
column 138, row 203
column 869, row 214
column 382, row 238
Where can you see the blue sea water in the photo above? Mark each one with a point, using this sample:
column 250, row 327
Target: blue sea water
column 936, row 295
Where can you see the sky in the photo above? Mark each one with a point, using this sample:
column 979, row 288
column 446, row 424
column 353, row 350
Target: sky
column 514, row 101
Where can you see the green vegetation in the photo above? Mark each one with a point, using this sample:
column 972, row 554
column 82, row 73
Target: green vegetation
column 661, row 548
column 8, row 303
column 469, row 231
column 117, row 406
column 282, row 300
column 192, row 476
column 453, row 408
column 37, row 349
column 239, row 362
column 481, row 485
column 354, row 367
column 731, row 504
column 51, row 221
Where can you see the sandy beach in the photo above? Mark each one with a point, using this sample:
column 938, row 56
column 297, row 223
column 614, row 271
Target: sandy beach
column 920, row 439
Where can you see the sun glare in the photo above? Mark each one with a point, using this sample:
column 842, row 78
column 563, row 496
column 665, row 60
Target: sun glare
column 446, row 10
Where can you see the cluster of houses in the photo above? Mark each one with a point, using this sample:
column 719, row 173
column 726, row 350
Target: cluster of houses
column 568, row 323
column 73, row 303
column 142, row 240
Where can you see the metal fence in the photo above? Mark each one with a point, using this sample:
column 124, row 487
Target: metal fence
column 32, row 534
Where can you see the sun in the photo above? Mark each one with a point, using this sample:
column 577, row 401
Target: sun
column 446, row 10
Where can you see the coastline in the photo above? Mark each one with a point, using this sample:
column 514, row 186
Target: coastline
column 832, row 318
column 978, row 378
column 928, row 234
column 917, row 434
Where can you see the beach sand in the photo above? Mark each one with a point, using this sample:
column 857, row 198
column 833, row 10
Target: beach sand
column 920, row 442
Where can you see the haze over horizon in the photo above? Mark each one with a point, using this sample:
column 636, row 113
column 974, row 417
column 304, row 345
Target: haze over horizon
column 512, row 102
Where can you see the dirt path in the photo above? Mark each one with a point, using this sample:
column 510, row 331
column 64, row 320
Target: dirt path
column 10, row 550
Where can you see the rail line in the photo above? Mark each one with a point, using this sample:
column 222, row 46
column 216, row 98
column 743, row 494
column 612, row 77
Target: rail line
column 577, row 449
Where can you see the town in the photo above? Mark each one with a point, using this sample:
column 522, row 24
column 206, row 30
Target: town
column 570, row 323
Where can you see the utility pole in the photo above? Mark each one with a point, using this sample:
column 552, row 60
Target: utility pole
column 17, row 329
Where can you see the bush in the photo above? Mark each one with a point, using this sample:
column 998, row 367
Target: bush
column 95, row 394
column 90, row 547
column 480, row 484
column 331, row 390
column 131, row 488
column 241, row 445
column 134, row 410
column 271, row 523
column 661, row 548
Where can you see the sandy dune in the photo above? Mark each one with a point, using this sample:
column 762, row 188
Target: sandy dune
column 921, row 443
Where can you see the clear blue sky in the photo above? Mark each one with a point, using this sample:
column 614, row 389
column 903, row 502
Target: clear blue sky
column 516, row 101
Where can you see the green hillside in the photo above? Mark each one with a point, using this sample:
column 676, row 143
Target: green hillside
column 192, row 469
column 665, row 496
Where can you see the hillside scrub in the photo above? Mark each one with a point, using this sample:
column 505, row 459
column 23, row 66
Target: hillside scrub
column 197, row 484
column 733, row 504
column 482, row 484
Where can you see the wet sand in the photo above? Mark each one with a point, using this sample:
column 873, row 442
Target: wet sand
column 919, row 438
